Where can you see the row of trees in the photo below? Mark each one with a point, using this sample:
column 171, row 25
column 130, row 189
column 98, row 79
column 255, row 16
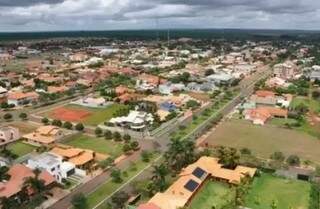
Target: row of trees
column 67, row 124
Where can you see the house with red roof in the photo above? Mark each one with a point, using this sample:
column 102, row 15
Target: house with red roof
column 18, row 174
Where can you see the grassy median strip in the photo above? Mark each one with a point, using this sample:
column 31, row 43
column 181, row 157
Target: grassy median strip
column 110, row 187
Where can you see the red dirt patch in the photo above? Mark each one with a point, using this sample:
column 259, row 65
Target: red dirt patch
column 71, row 115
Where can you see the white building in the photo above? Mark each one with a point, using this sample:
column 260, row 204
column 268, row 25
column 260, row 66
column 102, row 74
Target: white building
column 136, row 120
column 52, row 164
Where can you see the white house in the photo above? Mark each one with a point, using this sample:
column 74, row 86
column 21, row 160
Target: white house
column 52, row 164
column 136, row 120
column 8, row 134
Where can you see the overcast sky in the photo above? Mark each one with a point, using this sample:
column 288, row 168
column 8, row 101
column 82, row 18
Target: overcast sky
column 39, row 15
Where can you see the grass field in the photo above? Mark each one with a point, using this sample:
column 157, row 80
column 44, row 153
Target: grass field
column 212, row 195
column 100, row 145
column 285, row 193
column 19, row 148
column 109, row 186
column 97, row 115
column 264, row 140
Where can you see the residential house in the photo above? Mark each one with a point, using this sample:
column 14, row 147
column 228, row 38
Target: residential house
column 44, row 136
column 57, row 89
column 168, row 88
column 20, row 98
column 264, row 98
column 135, row 120
column 81, row 158
column 148, row 82
column 221, row 78
column 315, row 73
column 277, row 82
column 260, row 115
column 8, row 134
column 53, row 164
column 18, row 174
column 191, row 179
column 92, row 102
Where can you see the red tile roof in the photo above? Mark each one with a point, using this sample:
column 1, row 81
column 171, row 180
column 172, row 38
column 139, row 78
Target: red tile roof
column 18, row 175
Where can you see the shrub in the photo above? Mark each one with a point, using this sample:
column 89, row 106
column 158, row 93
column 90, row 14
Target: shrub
column 293, row 160
column 7, row 116
column 117, row 136
column 107, row 135
column 79, row 127
column 45, row 121
column 67, row 125
column 23, row 116
column 57, row 123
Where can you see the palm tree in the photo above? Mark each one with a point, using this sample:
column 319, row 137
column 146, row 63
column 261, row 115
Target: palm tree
column 180, row 154
column 36, row 184
column 159, row 177
column 4, row 173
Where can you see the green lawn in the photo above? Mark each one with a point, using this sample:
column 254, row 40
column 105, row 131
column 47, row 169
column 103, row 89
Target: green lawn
column 212, row 194
column 109, row 186
column 285, row 193
column 19, row 148
column 100, row 145
column 264, row 140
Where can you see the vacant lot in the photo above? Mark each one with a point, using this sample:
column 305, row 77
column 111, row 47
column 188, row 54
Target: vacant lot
column 212, row 195
column 264, row 140
column 88, row 116
column 99, row 145
column 24, row 127
column 284, row 193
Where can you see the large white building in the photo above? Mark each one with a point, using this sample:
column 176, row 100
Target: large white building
column 136, row 120
column 52, row 164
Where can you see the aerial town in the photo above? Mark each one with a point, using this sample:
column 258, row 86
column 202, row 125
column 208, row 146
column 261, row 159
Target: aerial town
column 103, row 123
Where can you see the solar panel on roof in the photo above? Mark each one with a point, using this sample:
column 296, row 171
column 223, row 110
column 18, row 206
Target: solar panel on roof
column 198, row 172
column 191, row 185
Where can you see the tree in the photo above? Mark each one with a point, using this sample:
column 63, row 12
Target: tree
column 293, row 160
column 134, row 145
column 117, row 136
column 45, row 121
column 79, row 127
column 79, row 201
column 8, row 203
column 119, row 200
column 126, row 138
column 67, row 125
column 23, row 116
column 209, row 72
column 180, row 154
column 56, row 122
column 229, row 157
column 145, row 156
column 193, row 104
column 7, row 116
column 159, row 174
column 36, row 184
column 98, row 131
column 108, row 134
column 278, row 156
column 126, row 149
column 116, row 176
column 242, row 190
column 106, row 163
column 4, row 176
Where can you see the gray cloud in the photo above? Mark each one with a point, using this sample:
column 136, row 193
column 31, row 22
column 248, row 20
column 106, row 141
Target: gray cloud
column 132, row 14
column 22, row 3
